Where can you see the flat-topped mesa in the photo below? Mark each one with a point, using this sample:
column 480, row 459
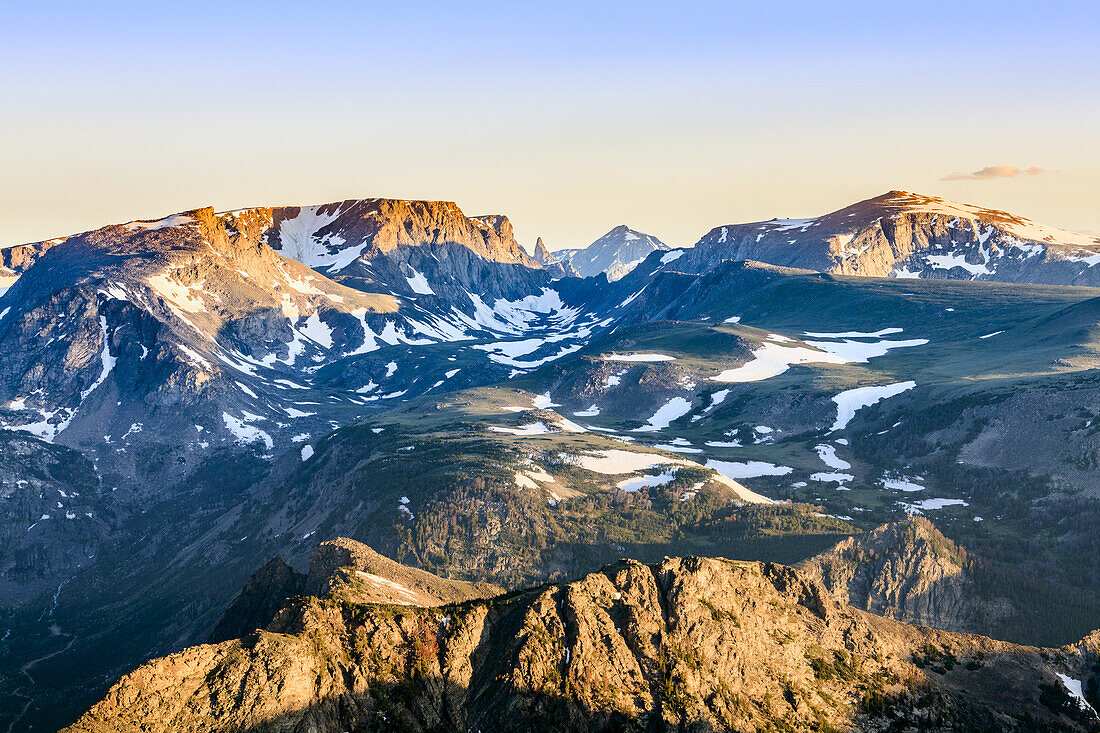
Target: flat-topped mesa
column 331, row 236
column 909, row 235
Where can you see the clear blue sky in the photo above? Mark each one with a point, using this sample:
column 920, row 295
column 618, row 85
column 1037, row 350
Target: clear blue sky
column 569, row 117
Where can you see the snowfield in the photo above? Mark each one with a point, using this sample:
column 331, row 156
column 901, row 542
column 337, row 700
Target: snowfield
column 633, row 484
column 854, row 334
column 419, row 283
column 245, row 433
column 853, row 400
column 535, row 428
column 619, row 461
column 828, row 456
column 675, row 408
column 905, row 483
column 919, row 507
column 748, row 469
column 772, row 359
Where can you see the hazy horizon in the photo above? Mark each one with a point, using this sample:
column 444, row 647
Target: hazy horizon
column 569, row 119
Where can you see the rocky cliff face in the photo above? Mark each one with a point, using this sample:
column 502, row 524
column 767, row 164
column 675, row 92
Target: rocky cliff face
column 902, row 234
column 53, row 518
column 909, row 571
column 687, row 644
column 14, row 261
column 330, row 237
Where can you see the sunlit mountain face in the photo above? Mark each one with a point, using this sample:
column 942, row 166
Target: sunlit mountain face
column 184, row 399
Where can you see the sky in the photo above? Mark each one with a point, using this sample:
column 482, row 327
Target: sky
column 571, row 118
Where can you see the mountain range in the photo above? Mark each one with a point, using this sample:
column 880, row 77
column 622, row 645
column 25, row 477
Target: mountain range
column 183, row 399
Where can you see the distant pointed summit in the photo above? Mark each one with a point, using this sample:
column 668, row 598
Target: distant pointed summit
column 542, row 255
column 615, row 253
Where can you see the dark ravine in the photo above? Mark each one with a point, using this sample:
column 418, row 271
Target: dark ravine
column 686, row 644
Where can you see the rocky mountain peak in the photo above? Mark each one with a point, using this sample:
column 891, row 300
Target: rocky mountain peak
column 615, row 253
column 906, row 570
column 556, row 264
column 346, row 569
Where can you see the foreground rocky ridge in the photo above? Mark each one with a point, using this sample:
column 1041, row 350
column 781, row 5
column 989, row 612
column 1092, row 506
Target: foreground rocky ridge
column 340, row 568
column 689, row 644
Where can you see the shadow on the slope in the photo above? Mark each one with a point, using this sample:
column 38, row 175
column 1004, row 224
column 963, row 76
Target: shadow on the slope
column 984, row 703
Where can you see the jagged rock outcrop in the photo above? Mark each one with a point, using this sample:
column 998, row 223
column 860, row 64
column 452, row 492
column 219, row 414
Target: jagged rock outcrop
column 542, row 255
column 332, row 236
column 689, row 644
column 557, row 266
column 902, row 234
column 909, row 571
column 259, row 600
column 345, row 569
column 14, row 261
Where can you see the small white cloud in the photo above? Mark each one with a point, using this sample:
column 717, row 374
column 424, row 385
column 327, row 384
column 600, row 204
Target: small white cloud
column 994, row 171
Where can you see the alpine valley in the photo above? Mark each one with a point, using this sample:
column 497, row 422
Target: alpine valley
column 369, row 465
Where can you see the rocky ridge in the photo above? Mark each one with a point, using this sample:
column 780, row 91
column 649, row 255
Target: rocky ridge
column 909, row 571
column 902, row 234
column 345, row 569
column 688, row 644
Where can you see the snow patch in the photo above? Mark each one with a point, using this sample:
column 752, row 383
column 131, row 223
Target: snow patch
column 631, row 485
column 852, row 400
column 639, row 357
column 747, row 469
column 245, row 433
column 828, row 456
column 675, row 408
column 105, row 358
column 419, row 283
column 930, row 505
